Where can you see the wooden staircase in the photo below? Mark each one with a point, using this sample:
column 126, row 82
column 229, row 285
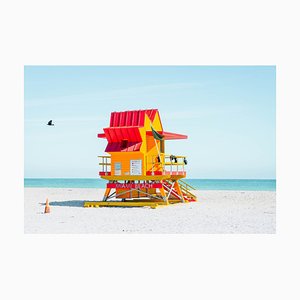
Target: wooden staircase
column 185, row 190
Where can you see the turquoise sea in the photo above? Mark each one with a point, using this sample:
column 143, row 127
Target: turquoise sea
column 199, row 184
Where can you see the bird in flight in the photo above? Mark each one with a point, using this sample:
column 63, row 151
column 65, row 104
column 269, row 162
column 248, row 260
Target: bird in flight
column 50, row 123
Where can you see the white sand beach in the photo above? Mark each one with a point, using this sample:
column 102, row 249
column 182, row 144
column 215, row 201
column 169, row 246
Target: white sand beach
column 215, row 212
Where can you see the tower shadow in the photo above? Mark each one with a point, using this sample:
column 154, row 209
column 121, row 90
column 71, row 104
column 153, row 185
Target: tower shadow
column 70, row 203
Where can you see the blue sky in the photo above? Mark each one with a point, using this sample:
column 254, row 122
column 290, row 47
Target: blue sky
column 227, row 112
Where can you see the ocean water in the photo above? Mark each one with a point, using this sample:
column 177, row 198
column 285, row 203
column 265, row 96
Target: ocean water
column 199, row 184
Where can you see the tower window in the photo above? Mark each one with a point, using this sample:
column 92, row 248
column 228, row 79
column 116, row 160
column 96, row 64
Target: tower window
column 124, row 144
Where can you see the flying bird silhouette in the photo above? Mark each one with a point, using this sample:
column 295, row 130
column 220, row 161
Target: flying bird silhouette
column 50, row 123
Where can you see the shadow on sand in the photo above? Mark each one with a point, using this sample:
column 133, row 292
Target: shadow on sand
column 77, row 203
column 72, row 203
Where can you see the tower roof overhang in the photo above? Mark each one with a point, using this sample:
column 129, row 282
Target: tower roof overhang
column 169, row 135
column 165, row 134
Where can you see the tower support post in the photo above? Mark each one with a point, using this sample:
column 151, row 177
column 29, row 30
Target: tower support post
column 163, row 194
column 178, row 190
column 106, row 194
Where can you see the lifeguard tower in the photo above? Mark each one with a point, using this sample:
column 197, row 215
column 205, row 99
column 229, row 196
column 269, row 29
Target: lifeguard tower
column 138, row 170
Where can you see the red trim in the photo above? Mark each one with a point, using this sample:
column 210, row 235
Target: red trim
column 134, row 185
column 104, row 173
column 166, row 173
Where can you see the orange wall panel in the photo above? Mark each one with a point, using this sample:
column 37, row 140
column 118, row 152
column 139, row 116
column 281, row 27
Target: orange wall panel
column 124, row 158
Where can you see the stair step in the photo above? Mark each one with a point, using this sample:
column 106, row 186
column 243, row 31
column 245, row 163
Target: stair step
column 187, row 195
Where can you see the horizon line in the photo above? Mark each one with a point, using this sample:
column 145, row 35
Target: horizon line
column 183, row 178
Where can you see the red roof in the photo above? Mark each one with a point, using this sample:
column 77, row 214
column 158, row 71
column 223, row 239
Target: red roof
column 117, row 134
column 124, row 126
column 131, row 117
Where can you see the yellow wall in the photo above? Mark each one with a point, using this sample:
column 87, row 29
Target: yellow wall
column 151, row 150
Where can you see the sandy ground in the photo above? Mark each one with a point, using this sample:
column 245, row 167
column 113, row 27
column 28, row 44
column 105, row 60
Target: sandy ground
column 215, row 212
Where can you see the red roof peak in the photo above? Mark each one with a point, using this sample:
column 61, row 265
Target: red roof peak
column 131, row 117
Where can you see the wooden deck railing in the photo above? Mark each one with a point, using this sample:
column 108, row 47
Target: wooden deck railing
column 167, row 163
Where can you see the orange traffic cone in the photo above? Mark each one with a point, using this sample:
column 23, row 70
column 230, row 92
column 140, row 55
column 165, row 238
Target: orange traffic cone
column 47, row 207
